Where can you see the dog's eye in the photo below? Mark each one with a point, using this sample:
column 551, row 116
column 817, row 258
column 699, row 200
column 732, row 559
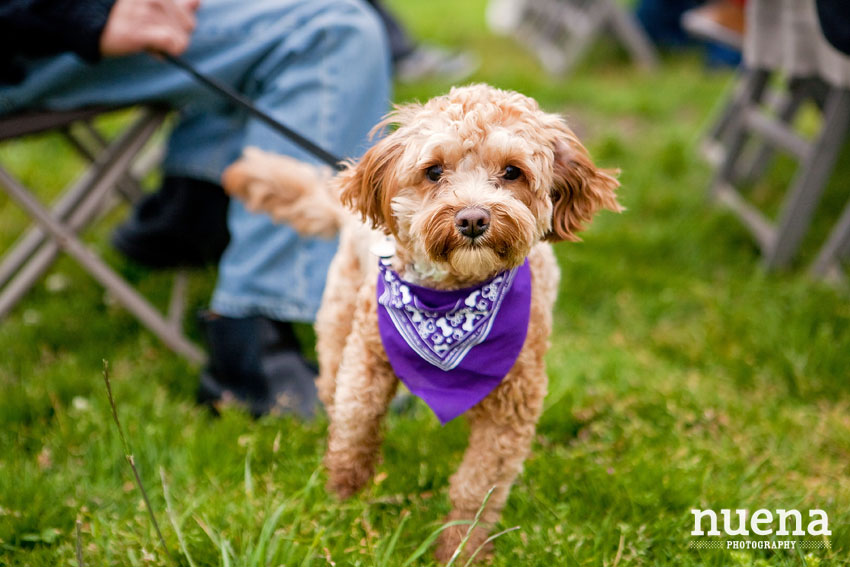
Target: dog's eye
column 511, row 172
column 434, row 172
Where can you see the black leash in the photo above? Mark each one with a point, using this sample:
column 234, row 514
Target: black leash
column 243, row 102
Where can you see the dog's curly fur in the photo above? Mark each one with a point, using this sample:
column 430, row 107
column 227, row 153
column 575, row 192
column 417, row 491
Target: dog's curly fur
column 472, row 134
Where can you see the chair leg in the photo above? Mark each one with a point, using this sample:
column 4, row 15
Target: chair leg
column 632, row 36
column 836, row 248
column 743, row 91
column 34, row 255
column 71, row 199
column 560, row 31
column 123, row 292
column 89, row 143
column 786, row 111
column 127, row 186
column 810, row 180
column 78, row 207
column 734, row 133
column 580, row 40
column 26, row 246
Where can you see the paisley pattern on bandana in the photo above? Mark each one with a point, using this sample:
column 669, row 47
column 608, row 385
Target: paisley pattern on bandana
column 444, row 337
column 452, row 348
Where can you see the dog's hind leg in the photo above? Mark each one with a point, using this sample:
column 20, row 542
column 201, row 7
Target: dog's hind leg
column 365, row 384
column 501, row 431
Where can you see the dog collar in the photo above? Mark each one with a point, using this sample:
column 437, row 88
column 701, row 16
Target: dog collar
column 452, row 348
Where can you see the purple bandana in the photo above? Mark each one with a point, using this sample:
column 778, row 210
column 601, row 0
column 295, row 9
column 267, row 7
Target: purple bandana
column 452, row 348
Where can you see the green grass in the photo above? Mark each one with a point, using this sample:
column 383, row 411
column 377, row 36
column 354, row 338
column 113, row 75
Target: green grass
column 682, row 376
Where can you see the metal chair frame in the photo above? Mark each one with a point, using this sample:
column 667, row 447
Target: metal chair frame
column 115, row 167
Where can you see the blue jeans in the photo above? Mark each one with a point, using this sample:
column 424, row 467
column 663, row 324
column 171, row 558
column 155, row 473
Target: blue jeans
column 319, row 66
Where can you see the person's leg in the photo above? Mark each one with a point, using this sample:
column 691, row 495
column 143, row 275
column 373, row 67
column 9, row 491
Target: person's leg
column 293, row 57
column 325, row 73
column 329, row 80
column 182, row 224
column 320, row 66
column 660, row 19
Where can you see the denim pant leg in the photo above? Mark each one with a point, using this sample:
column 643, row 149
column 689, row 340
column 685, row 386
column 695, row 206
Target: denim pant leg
column 333, row 91
column 320, row 66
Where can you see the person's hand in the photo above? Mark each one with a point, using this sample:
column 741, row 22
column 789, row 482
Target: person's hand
column 148, row 25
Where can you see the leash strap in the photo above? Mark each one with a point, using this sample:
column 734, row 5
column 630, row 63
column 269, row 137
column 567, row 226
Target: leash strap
column 239, row 100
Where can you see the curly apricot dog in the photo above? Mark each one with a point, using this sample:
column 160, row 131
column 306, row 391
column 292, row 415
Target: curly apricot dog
column 460, row 202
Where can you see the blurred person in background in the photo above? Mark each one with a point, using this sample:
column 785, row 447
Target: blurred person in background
column 719, row 24
column 322, row 67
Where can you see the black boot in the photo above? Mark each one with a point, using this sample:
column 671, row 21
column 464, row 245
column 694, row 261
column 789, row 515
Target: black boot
column 256, row 362
column 182, row 224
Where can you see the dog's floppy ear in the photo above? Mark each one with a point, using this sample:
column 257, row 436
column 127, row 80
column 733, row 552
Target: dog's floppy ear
column 367, row 186
column 579, row 188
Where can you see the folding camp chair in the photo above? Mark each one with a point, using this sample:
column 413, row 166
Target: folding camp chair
column 783, row 45
column 560, row 31
column 115, row 167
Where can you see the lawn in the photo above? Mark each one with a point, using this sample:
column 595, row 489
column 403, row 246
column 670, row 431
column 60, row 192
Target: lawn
column 682, row 376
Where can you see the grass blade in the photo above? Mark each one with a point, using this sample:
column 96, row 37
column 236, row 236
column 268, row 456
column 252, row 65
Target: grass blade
column 259, row 555
column 317, row 540
column 170, row 510
column 385, row 556
column 486, row 541
column 249, row 480
column 472, row 527
column 129, row 456
column 432, row 537
column 226, row 553
column 79, row 545
column 221, row 544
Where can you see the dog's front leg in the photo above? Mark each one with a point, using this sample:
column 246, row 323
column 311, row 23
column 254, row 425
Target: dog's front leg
column 334, row 319
column 501, row 431
column 365, row 385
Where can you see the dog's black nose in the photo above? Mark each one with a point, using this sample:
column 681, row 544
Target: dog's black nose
column 472, row 221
